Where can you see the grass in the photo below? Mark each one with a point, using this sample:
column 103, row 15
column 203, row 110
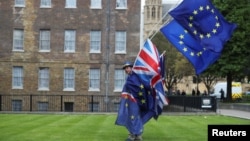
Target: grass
column 101, row 127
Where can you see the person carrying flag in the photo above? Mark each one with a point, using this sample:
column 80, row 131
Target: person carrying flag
column 136, row 106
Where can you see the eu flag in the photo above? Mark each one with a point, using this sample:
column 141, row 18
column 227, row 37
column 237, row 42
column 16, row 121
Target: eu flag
column 136, row 105
column 199, row 56
column 203, row 21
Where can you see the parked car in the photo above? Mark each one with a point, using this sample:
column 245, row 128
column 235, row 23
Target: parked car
column 247, row 93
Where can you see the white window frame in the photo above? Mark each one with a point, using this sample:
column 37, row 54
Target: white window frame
column 94, row 79
column 19, row 3
column 70, row 3
column 69, row 41
column 43, row 79
column 17, row 77
column 44, row 42
column 120, row 42
column 69, row 79
column 95, row 41
column 18, row 40
column 96, row 4
column 121, row 4
column 119, row 80
column 45, row 4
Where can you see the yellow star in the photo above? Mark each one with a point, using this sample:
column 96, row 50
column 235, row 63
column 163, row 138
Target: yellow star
column 142, row 86
column 192, row 54
column 143, row 101
column 208, row 35
column 140, row 93
column 214, row 31
column 181, row 36
column 201, row 8
column 207, row 7
column 195, row 12
column 132, row 117
column 191, row 18
column 190, row 25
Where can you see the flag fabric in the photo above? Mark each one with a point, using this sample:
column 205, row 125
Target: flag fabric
column 199, row 56
column 136, row 105
column 204, row 22
column 162, row 66
column 147, row 66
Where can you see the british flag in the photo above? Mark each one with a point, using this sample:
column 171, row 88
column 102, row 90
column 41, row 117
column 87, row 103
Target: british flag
column 148, row 67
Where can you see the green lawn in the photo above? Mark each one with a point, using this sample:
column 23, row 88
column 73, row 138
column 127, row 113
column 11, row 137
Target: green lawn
column 101, row 127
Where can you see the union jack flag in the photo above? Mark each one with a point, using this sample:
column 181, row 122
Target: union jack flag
column 148, row 67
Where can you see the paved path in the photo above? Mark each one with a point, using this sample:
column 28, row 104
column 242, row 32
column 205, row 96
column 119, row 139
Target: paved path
column 234, row 113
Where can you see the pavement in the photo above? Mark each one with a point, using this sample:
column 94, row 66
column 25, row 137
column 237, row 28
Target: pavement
column 234, row 113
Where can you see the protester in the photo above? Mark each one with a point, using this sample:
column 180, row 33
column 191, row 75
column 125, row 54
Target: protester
column 136, row 106
column 193, row 92
column 222, row 97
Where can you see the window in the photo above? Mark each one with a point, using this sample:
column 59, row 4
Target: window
column 96, row 4
column 43, row 79
column 153, row 13
column 68, row 106
column 43, row 106
column 18, row 38
column 69, row 79
column 121, row 4
column 116, row 106
column 120, row 42
column 69, row 42
column 17, row 77
column 95, row 41
column 70, row 4
column 16, row 105
column 44, row 40
column 94, row 107
column 119, row 79
column 19, row 3
column 45, row 4
column 94, row 79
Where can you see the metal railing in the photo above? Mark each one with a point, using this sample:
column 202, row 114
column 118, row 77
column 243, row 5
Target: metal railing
column 96, row 103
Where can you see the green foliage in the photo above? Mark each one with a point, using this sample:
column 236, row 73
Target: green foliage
column 101, row 127
column 235, row 55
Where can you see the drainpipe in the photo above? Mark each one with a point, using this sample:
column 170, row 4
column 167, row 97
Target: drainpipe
column 107, row 53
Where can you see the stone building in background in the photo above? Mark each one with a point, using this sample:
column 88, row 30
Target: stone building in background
column 67, row 47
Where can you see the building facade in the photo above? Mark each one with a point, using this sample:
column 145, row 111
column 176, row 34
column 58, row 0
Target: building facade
column 152, row 17
column 67, row 47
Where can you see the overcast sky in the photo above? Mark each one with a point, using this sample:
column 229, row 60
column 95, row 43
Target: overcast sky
column 164, row 1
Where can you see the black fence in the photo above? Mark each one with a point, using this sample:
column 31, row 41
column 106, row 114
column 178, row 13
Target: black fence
column 97, row 103
column 191, row 104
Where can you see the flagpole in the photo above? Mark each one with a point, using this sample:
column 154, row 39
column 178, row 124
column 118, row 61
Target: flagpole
column 169, row 18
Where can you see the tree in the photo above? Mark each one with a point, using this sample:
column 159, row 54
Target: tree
column 235, row 55
column 208, row 80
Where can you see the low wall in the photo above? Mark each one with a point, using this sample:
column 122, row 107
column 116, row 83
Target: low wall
column 235, row 106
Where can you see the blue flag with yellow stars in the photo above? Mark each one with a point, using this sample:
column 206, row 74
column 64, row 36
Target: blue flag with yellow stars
column 136, row 105
column 204, row 22
column 199, row 56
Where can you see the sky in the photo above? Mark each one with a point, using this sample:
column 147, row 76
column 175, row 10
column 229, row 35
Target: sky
column 163, row 1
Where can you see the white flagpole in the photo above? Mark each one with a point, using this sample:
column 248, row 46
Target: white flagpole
column 169, row 18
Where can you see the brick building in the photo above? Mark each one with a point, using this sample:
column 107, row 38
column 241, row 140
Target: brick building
column 67, row 47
